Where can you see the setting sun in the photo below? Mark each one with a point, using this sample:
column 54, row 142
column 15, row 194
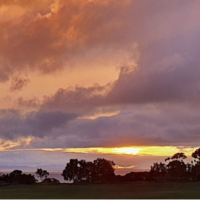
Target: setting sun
column 127, row 150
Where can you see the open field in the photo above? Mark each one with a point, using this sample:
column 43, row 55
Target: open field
column 103, row 191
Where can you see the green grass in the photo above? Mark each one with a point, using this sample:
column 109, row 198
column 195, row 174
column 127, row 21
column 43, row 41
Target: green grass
column 133, row 190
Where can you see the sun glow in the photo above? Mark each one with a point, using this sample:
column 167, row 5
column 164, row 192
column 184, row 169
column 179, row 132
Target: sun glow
column 127, row 150
column 120, row 150
column 140, row 151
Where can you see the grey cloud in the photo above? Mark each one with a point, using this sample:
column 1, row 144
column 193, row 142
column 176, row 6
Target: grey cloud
column 38, row 124
column 11, row 124
column 157, row 86
column 79, row 99
column 134, row 126
column 42, row 123
column 147, row 125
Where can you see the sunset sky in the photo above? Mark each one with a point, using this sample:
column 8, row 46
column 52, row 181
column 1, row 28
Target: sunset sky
column 116, row 79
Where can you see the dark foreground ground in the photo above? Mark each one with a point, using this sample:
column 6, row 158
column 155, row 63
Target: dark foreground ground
column 133, row 190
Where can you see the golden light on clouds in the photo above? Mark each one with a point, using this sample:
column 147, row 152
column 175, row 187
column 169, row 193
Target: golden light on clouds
column 9, row 144
column 165, row 150
column 100, row 114
column 102, row 150
column 127, row 150
column 140, row 151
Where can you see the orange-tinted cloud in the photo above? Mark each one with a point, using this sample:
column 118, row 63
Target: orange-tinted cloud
column 18, row 83
column 45, row 35
column 156, row 101
column 30, row 103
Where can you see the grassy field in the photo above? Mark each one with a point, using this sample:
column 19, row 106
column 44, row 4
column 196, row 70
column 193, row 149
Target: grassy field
column 103, row 191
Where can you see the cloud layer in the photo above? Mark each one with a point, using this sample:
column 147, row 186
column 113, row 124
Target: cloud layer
column 154, row 46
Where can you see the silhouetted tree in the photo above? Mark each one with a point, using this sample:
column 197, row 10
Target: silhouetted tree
column 71, row 171
column 16, row 173
column 179, row 156
column 158, row 170
column 196, row 167
column 177, row 167
column 86, row 171
column 16, row 176
column 103, row 169
column 98, row 170
column 42, row 174
column 196, row 155
column 26, row 179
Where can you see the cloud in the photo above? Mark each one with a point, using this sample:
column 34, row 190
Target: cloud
column 30, row 103
column 47, row 36
column 167, row 68
column 77, row 99
column 14, row 124
column 44, row 36
column 148, row 126
column 18, row 83
column 176, row 81
column 9, row 144
column 42, row 123
column 157, row 99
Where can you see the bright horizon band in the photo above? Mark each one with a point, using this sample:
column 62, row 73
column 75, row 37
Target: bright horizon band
column 140, row 151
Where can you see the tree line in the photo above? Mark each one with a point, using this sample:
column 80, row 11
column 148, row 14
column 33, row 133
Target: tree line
column 175, row 168
column 101, row 171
